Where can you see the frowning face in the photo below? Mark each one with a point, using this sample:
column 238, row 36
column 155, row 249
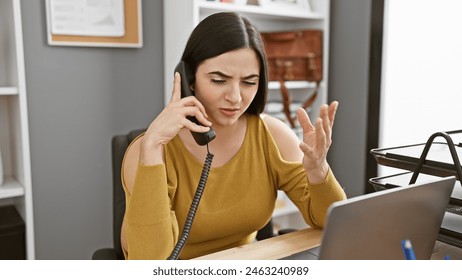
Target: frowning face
column 227, row 84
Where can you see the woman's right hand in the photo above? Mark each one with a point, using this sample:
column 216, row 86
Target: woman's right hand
column 169, row 122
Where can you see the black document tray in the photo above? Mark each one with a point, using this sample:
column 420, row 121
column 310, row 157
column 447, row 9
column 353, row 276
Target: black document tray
column 451, row 227
column 438, row 161
column 425, row 161
column 402, row 179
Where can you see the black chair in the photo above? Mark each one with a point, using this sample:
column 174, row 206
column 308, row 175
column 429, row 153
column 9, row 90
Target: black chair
column 119, row 146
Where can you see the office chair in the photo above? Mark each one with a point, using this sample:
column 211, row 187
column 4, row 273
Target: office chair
column 119, row 146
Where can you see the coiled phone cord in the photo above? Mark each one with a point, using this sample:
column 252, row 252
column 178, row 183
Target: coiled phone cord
column 193, row 208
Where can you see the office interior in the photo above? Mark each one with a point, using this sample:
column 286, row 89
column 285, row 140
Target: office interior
column 78, row 98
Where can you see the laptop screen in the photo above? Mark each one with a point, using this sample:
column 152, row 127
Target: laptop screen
column 372, row 226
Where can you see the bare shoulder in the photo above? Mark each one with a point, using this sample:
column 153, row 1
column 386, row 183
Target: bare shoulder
column 129, row 166
column 285, row 138
column 130, row 163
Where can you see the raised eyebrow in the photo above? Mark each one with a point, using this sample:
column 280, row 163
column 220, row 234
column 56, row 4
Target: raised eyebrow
column 221, row 74
column 251, row 76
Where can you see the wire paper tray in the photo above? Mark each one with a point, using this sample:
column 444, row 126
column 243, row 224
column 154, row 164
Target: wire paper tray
column 428, row 160
column 451, row 227
column 438, row 161
column 434, row 158
column 402, row 179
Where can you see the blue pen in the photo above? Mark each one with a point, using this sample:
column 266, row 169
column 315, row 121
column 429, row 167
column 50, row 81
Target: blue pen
column 408, row 251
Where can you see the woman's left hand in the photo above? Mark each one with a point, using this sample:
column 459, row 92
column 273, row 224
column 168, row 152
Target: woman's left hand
column 316, row 141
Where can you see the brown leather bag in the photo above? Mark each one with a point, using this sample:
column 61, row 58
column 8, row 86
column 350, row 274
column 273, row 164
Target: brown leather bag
column 294, row 56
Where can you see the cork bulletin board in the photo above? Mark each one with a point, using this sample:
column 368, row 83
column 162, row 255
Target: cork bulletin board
column 108, row 23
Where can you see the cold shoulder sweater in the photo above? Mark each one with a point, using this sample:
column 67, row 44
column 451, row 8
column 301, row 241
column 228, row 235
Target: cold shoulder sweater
column 239, row 197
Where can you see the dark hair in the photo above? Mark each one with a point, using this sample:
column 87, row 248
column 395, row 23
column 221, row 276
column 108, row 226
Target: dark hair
column 223, row 32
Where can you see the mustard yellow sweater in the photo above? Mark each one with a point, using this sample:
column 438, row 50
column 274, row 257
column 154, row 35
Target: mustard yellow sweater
column 238, row 199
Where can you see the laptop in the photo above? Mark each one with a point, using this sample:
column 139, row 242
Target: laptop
column 372, row 226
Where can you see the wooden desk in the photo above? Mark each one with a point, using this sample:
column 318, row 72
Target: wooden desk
column 272, row 248
column 288, row 244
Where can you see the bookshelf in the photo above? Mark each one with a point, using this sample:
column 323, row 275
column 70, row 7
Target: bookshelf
column 16, row 187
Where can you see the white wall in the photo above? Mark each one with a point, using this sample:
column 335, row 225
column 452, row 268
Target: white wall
column 422, row 81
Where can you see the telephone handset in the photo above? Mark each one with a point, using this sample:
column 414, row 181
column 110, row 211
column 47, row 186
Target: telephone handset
column 201, row 138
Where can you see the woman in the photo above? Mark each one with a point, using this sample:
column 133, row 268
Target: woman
column 255, row 155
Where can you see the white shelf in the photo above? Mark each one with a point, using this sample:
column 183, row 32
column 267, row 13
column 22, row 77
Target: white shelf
column 284, row 206
column 8, row 90
column 288, row 209
column 16, row 189
column 291, row 85
column 11, row 188
column 209, row 7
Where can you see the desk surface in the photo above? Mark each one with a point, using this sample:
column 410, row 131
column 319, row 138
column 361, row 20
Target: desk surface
column 272, row 248
column 288, row 244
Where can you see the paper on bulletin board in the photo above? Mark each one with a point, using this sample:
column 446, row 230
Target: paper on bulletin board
column 103, row 18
